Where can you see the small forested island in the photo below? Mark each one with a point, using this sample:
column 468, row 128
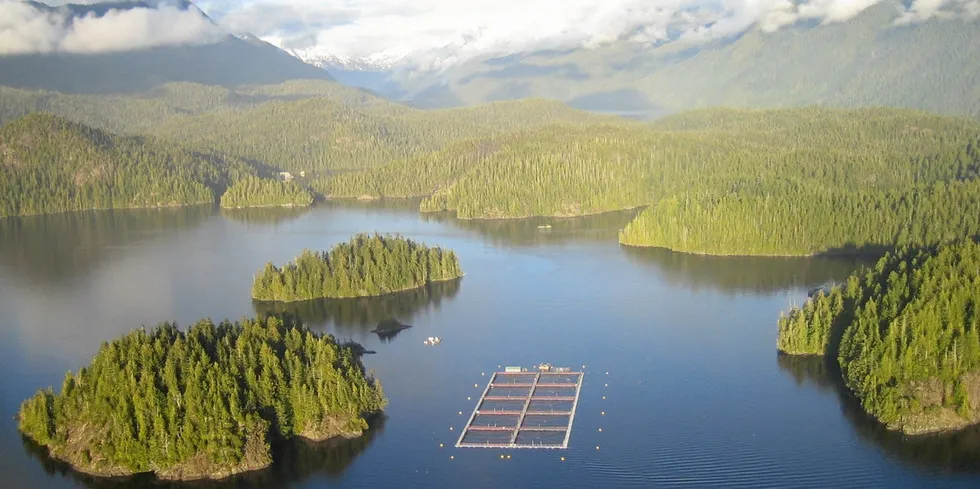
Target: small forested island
column 906, row 335
column 367, row 265
column 390, row 326
column 265, row 192
column 204, row 403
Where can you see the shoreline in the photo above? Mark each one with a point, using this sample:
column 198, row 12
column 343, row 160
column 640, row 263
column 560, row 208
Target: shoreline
column 817, row 254
column 266, row 206
column 134, row 208
column 536, row 216
column 274, row 301
column 119, row 473
column 903, row 429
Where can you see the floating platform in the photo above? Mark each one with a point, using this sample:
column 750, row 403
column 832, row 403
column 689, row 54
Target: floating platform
column 524, row 410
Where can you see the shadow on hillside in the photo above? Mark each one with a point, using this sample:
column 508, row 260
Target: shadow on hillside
column 754, row 274
column 870, row 252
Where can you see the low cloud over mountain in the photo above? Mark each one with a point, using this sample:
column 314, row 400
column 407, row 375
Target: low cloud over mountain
column 28, row 27
column 433, row 34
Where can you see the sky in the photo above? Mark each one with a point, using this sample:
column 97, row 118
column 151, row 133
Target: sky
column 434, row 34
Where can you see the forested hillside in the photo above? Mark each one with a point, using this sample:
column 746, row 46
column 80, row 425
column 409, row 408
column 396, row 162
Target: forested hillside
column 134, row 113
column 828, row 180
column 48, row 164
column 906, row 334
column 320, row 134
column 364, row 266
column 205, row 403
column 300, row 125
column 305, row 135
column 722, row 181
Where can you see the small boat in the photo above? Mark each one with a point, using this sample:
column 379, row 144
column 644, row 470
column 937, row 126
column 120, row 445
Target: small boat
column 432, row 340
column 544, row 226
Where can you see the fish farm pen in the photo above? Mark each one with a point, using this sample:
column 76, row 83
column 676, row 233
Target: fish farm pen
column 524, row 409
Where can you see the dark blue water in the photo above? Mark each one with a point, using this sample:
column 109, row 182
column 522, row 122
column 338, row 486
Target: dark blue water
column 695, row 393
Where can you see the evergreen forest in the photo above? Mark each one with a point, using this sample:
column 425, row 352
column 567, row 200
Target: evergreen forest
column 48, row 164
column 797, row 181
column 204, row 403
column 906, row 334
column 265, row 192
column 367, row 265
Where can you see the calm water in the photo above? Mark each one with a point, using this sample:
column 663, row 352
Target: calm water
column 696, row 394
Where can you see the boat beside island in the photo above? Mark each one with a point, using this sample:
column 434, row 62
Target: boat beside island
column 432, row 341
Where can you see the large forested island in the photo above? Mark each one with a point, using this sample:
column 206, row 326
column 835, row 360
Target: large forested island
column 906, row 335
column 367, row 265
column 204, row 403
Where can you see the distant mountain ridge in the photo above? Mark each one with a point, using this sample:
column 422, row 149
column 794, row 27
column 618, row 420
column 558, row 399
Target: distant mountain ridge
column 231, row 61
column 868, row 60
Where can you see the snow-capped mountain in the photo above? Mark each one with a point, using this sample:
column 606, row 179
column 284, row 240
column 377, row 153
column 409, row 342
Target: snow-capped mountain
column 376, row 62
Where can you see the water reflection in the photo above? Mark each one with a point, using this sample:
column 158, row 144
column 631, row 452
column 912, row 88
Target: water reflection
column 364, row 313
column 294, row 460
column 754, row 273
column 55, row 247
column 541, row 230
column 957, row 452
column 389, row 328
column 265, row 215
column 390, row 206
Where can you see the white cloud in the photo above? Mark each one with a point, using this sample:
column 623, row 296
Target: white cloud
column 431, row 34
column 436, row 33
column 26, row 29
column 922, row 10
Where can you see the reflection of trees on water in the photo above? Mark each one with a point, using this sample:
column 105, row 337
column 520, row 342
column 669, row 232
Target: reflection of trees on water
column 400, row 206
column 294, row 461
column 58, row 246
column 525, row 232
column 957, row 452
column 752, row 274
column 364, row 313
column 265, row 215
column 806, row 370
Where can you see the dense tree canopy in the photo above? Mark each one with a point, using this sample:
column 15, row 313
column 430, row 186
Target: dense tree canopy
column 906, row 334
column 721, row 181
column 265, row 192
column 48, row 164
column 202, row 403
column 796, row 220
column 777, row 182
column 364, row 266
column 301, row 125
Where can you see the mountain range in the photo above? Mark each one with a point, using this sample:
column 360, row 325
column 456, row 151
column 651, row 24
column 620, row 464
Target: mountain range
column 229, row 60
column 870, row 60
